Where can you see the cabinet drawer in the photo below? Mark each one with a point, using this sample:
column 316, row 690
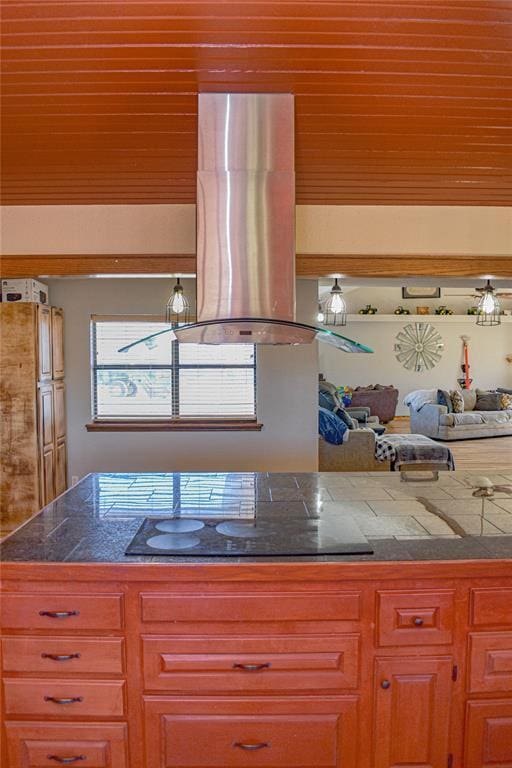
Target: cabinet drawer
column 264, row 664
column 60, row 612
column 415, row 618
column 216, row 733
column 38, row 745
column 491, row 607
column 488, row 742
column 490, row 662
column 251, row 607
column 63, row 655
column 75, row 698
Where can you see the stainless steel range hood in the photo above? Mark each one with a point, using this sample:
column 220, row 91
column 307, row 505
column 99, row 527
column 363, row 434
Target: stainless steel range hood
column 246, row 225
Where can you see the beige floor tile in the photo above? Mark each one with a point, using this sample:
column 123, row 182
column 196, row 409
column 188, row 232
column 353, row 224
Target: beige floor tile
column 501, row 520
column 474, row 525
column 356, row 494
column 504, row 504
column 394, row 507
column 434, row 525
column 392, row 526
column 346, row 508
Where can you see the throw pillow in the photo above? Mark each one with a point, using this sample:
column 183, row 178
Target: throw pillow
column 504, row 390
column 469, row 397
column 330, row 427
column 457, row 401
column 345, row 417
column 505, row 401
column 487, row 401
column 443, row 398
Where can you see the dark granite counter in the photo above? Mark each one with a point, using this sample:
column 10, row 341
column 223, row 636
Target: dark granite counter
column 94, row 521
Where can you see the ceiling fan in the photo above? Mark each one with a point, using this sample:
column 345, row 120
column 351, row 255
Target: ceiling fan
column 479, row 293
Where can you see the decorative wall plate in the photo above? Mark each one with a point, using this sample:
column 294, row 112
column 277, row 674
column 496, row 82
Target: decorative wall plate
column 419, row 347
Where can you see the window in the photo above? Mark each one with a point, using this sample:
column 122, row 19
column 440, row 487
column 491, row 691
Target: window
column 161, row 379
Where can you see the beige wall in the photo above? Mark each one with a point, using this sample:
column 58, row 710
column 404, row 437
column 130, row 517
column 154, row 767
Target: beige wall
column 488, row 347
column 286, row 394
column 369, row 229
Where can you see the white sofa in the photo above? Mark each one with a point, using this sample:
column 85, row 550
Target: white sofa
column 434, row 421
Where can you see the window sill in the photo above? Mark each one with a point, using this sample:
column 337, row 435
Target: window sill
column 183, row 425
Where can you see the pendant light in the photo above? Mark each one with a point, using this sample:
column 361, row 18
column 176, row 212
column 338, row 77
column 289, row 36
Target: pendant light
column 335, row 309
column 488, row 307
column 177, row 309
column 320, row 317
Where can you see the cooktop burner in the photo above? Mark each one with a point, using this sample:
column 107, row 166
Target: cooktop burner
column 336, row 535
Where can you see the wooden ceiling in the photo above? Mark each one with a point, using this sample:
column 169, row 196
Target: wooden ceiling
column 396, row 102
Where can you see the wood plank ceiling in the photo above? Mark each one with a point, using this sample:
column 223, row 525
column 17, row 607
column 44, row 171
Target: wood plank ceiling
column 396, row 102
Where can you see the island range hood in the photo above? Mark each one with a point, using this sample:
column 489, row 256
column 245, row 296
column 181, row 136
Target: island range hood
column 246, row 226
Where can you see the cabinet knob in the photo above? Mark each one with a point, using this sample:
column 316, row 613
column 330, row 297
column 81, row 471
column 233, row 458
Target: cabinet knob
column 66, row 760
column 251, row 747
column 418, row 622
column 59, row 614
column 385, row 684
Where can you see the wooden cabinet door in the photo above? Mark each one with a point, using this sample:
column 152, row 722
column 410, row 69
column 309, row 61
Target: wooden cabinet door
column 413, row 697
column 57, row 316
column 61, row 467
column 46, row 443
column 59, row 407
column 44, row 340
column 47, row 476
column 488, row 742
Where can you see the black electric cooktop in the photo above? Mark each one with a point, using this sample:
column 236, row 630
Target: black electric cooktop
column 198, row 537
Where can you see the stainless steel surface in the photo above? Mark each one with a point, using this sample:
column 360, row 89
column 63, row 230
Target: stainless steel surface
column 262, row 331
column 246, row 207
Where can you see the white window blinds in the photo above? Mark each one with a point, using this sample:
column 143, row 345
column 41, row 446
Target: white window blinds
column 161, row 379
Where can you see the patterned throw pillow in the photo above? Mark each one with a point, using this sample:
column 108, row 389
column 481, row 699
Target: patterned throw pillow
column 457, row 401
column 505, row 401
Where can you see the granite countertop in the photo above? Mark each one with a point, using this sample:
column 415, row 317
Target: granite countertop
column 94, row 521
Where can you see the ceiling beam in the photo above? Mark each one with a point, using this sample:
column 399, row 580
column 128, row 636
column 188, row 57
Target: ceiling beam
column 308, row 265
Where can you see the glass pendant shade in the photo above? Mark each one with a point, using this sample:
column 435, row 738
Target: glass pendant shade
column 178, row 308
column 488, row 307
column 320, row 317
column 335, row 309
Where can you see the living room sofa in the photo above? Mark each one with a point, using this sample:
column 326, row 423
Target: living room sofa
column 434, row 421
column 381, row 400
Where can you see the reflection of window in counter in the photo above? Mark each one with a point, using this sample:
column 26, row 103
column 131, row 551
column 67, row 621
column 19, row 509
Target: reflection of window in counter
column 162, row 380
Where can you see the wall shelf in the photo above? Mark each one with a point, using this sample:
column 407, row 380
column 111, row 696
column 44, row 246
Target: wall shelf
column 470, row 319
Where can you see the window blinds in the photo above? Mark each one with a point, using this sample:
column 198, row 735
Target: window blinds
column 161, row 379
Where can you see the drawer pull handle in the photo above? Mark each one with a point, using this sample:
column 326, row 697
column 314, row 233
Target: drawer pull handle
column 59, row 614
column 252, row 667
column 251, row 747
column 70, row 700
column 418, row 622
column 385, row 684
column 60, row 657
column 66, row 760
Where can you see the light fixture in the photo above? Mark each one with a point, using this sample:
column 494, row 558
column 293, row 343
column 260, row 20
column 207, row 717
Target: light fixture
column 320, row 317
column 177, row 309
column 335, row 309
column 488, row 309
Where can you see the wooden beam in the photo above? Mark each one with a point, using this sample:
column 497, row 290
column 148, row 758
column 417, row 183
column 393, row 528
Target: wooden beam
column 308, row 265
column 392, row 266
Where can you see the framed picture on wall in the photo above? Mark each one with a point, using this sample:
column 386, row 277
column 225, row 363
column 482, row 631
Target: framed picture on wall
column 421, row 293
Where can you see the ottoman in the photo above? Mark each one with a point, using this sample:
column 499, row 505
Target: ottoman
column 413, row 452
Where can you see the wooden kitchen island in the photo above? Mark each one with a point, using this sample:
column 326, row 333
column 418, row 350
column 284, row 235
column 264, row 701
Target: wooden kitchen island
column 403, row 657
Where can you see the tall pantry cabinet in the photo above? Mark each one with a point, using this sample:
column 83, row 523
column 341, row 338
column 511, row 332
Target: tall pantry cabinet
column 33, row 417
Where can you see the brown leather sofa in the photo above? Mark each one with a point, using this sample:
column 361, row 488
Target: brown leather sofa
column 382, row 400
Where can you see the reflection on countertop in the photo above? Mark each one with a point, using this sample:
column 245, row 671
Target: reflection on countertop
column 429, row 519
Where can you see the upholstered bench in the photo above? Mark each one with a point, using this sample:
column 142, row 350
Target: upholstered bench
column 413, row 452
